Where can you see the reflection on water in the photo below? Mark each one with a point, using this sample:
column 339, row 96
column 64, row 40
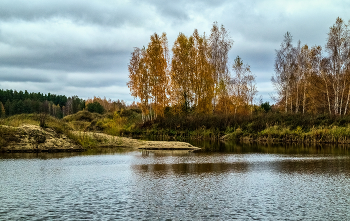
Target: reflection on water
column 275, row 148
column 237, row 181
column 193, row 168
column 48, row 155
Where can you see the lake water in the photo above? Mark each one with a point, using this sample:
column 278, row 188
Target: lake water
column 249, row 182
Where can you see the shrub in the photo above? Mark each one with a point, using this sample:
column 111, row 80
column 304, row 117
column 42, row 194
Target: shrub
column 266, row 106
column 95, row 107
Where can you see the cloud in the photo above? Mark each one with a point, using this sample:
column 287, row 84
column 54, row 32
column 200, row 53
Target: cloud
column 23, row 75
column 78, row 47
column 102, row 12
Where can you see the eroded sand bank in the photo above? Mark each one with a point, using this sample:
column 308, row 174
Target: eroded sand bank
column 31, row 138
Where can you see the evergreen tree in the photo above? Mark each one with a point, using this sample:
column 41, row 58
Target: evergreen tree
column 95, row 107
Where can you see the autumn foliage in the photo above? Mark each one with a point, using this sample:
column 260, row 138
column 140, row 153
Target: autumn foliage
column 314, row 80
column 107, row 104
column 195, row 79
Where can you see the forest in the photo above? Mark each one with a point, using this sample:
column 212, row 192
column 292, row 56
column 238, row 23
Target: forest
column 13, row 102
column 312, row 79
column 196, row 79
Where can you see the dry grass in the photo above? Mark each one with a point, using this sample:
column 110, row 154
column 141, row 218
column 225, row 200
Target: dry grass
column 77, row 130
column 277, row 133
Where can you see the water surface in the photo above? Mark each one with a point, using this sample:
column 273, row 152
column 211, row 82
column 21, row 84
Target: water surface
column 235, row 182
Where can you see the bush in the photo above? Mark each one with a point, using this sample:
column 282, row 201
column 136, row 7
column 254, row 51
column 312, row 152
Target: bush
column 95, row 107
column 266, row 106
column 82, row 116
column 42, row 119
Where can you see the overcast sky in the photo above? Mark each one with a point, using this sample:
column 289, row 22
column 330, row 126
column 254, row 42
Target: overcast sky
column 79, row 47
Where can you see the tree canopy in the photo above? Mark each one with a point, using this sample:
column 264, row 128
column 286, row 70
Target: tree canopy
column 195, row 79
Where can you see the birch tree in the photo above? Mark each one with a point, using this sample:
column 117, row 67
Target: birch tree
column 181, row 72
column 285, row 68
column 338, row 48
column 158, row 72
column 239, row 84
column 203, row 79
column 220, row 45
column 139, row 83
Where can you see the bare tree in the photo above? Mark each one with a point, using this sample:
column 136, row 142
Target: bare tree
column 285, row 65
column 338, row 48
column 220, row 45
column 243, row 86
column 251, row 90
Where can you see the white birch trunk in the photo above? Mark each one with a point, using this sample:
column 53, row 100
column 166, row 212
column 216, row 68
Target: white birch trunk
column 304, row 98
column 297, row 100
column 286, row 100
column 347, row 102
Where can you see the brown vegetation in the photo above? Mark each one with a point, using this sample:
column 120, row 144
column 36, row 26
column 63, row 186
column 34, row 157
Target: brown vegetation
column 22, row 133
column 309, row 81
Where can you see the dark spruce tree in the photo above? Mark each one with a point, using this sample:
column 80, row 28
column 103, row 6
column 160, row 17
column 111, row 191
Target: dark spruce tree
column 95, row 107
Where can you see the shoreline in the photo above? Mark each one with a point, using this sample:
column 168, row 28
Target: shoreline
column 32, row 139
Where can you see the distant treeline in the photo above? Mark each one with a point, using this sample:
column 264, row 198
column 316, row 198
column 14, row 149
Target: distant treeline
column 313, row 79
column 17, row 102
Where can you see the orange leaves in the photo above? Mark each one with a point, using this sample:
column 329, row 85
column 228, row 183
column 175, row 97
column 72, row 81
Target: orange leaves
column 181, row 72
column 158, row 66
column 193, row 81
column 192, row 75
column 148, row 74
column 236, row 94
column 108, row 105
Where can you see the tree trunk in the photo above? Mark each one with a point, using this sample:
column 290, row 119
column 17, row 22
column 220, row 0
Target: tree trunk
column 329, row 103
column 291, row 104
column 304, row 97
column 286, row 108
column 342, row 94
column 297, row 99
column 335, row 99
column 347, row 102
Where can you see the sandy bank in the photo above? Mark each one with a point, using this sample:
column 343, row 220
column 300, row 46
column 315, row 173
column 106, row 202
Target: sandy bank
column 31, row 138
column 105, row 140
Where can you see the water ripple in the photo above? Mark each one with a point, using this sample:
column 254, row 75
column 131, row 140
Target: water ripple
column 153, row 186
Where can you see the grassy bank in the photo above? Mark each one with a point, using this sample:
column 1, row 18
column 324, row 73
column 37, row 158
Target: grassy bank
column 271, row 126
column 276, row 134
column 264, row 127
column 78, row 132
column 74, row 127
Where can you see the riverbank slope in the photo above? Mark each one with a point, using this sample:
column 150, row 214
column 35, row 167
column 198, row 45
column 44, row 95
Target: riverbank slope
column 32, row 138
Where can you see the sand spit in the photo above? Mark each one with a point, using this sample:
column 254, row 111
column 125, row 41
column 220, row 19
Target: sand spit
column 167, row 145
column 31, row 138
column 105, row 140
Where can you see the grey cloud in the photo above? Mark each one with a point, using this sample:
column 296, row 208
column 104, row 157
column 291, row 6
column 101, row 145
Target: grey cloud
column 78, row 47
column 65, row 58
column 181, row 11
column 68, row 61
column 11, row 75
column 268, row 20
column 96, row 80
column 69, row 48
column 111, row 13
